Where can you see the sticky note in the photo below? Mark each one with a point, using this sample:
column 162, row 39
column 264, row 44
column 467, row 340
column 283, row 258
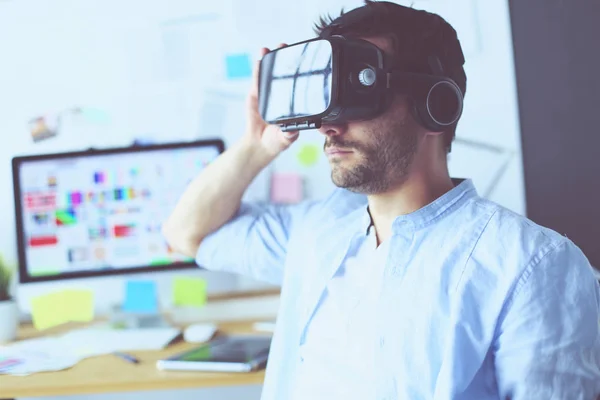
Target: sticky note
column 308, row 155
column 61, row 307
column 286, row 188
column 140, row 297
column 95, row 115
column 80, row 304
column 189, row 292
column 49, row 310
column 238, row 66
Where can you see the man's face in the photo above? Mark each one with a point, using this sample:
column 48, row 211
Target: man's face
column 373, row 156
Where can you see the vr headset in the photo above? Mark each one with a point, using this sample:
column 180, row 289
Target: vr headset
column 334, row 80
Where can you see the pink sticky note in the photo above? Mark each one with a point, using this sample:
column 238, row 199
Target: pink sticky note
column 286, row 188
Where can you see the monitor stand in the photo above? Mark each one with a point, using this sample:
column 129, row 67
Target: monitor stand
column 129, row 320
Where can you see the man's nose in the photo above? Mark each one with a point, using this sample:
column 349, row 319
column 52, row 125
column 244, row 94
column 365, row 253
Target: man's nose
column 333, row 130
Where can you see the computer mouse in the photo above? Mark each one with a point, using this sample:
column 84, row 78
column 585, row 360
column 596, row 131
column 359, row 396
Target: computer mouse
column 200, row 332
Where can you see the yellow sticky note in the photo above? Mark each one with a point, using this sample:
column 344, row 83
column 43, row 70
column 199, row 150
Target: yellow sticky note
column 308, row 155
column 189, row 292
column 49, row 310
column 80, row 305
column 58, row 308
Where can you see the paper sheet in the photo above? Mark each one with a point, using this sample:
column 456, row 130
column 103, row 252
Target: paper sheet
column 55, row 353
column 38, row 355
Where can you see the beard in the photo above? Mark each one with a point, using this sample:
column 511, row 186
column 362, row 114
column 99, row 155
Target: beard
column 384, row 160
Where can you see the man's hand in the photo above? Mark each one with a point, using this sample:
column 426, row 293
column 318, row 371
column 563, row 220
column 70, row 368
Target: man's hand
column 214, row 196
column 270, row 138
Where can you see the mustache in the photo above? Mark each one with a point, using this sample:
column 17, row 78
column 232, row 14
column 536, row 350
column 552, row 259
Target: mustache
column 335, row 142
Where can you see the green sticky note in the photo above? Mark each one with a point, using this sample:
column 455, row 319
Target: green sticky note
column 80, row 305
column 189, row 292
column 308, row 155
column 49, row 310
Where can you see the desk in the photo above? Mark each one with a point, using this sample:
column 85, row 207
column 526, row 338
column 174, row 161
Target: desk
column 108, row 373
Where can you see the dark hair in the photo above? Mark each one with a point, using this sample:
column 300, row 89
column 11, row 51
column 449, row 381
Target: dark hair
column 415, row 35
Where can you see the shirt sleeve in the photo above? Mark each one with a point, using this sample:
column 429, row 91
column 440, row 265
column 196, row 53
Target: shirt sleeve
column 254, row 242
column 548, row 339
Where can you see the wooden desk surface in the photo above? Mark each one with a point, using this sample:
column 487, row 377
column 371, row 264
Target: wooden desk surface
column 108, row 373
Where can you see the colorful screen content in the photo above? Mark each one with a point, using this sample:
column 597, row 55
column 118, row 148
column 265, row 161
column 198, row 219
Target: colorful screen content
column 104, row 212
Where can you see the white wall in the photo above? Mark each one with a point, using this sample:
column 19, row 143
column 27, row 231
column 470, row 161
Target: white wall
column 156, row 67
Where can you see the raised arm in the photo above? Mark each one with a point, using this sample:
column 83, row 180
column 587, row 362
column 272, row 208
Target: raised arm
column 214, row 197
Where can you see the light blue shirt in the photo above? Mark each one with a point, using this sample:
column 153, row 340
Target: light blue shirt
column 338, row 354
column 475, row 302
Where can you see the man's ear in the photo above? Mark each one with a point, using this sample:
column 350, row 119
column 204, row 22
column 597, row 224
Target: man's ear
column 416, row 113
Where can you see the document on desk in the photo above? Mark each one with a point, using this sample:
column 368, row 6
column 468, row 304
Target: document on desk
column 36, row 355
column 61, row 352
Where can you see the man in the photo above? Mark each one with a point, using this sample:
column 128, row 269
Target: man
column 404, row 283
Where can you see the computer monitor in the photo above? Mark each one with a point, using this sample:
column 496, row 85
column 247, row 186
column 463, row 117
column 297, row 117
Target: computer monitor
column 99, row 212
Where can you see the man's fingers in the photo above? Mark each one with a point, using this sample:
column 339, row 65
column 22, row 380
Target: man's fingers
column 291, row 136
column 255, row 72
column 254, row 89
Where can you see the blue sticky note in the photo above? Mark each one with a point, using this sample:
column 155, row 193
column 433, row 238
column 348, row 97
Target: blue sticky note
column 238, row 66
column 140, row 297
column 95, row 115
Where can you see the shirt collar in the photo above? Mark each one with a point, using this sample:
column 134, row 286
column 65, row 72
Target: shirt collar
column 463, row 191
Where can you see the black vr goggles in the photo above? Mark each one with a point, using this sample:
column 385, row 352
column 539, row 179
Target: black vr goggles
column 335, row 79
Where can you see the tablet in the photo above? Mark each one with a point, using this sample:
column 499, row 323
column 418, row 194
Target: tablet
column 240, row 353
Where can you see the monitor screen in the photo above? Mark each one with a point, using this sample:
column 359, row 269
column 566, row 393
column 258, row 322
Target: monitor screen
column 100, row 212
